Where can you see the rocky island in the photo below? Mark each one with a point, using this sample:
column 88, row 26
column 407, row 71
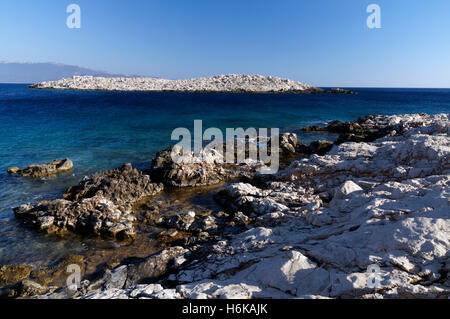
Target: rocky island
column 221, row 83
column 364, row 217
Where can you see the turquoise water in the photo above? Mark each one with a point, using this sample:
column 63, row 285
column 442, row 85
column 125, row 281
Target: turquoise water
column 102, row 130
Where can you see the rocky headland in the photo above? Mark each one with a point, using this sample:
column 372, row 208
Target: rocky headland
column 221, row 83
column 364, row 217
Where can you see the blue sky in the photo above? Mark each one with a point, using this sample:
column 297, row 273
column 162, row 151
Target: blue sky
column 324, row 43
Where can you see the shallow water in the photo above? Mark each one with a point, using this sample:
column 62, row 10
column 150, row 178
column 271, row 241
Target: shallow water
column 102, row 130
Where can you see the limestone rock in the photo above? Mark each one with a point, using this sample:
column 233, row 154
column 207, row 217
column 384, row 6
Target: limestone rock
column 43, row 170
column 100, row 204
column 154, row 266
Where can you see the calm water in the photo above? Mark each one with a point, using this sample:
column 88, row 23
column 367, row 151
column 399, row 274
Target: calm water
column 102, row 130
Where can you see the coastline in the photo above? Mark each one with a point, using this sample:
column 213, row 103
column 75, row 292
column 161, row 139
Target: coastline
column 292, row 218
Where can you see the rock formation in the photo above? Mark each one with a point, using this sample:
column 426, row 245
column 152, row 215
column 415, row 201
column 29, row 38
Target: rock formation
column 43, row 170
column 100, row 204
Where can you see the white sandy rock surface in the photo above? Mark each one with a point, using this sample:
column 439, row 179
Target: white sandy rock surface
column 390, row 207
column 220, row 83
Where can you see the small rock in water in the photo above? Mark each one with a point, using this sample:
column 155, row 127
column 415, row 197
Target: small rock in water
column 43, row 170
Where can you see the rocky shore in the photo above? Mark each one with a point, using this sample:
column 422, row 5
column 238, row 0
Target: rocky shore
column 364, row 217
column 221, row 83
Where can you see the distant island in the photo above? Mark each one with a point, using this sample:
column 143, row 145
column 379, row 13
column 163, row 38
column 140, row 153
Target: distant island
column 232, row 83
column 16, row 72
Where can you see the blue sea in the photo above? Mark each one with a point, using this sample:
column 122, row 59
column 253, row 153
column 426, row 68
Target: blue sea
column 101, row 130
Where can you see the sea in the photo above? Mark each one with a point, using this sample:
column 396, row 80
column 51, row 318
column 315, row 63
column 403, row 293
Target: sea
column 101, row 130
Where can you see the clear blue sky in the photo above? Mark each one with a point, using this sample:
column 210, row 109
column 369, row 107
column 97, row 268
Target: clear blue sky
column 324, row 43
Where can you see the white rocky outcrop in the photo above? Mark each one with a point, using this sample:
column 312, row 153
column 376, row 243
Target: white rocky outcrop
column 327, row 222
column 220, row 83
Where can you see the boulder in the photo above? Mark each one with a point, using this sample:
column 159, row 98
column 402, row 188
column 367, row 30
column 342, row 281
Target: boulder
column 288, row 142
column 148, row 270
column 181, row 222
column 192, row 170
column 346, row 189
column 122, row 186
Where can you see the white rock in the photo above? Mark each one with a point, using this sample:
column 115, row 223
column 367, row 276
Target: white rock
column 222, row 83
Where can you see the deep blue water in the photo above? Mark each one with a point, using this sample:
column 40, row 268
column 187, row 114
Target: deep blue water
column 101, row 130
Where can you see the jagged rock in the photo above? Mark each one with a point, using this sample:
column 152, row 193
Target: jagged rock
column 14, row 273
column 154, row 266
column 181, row 221
column 421, row 292
column 320, row 147
column 111, row 279
column 371, row 127
column 100, row 204
column 208, row 224
column 240, row 219
column 29, row 288
column 95, row 215
column 288, row 143
column 123, row 186
column 43, row 170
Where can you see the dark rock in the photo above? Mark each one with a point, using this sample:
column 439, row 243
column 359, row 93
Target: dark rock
column 172, row 233
column 365, row 129
column 95, row 215
column 288, row 142
column 320, row 147
column 116, row 278
column 239, row 219
column 340, row 91
column 153, row 267
column 100, row 204
column 181, row 222
column 43, row 170
column 301, row 148
column 123, row 186
column 28, row 288
column 205, row 224
column 313, row 128
column 14, row 273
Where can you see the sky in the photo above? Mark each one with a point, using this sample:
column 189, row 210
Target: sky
column 319, row 42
